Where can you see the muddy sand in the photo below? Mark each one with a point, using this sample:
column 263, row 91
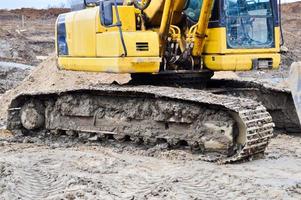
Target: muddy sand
column 119, row 171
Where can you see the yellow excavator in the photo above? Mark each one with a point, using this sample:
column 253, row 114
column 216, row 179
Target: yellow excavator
column 165, row 45
column 170, row 36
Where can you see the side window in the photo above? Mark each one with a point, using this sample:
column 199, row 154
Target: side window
column 193, row 10
column 249, row 23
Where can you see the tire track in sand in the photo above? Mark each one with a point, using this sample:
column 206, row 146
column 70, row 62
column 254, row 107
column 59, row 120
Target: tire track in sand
column 37, row 182
column 164, row 182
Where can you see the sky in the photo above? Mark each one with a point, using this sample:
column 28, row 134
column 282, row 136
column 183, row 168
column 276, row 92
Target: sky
column 12, row 4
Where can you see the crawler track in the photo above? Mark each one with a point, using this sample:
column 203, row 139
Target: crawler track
column 232, row 128
column 278, row 102
column 282, row 108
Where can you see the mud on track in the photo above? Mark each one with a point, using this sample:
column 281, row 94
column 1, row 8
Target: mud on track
column 117, row 171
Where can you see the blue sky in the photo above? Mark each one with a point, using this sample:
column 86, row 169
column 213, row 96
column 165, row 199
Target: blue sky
column 11, row 4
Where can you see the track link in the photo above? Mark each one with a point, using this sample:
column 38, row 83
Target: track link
column 282, row 108
column 254, row 122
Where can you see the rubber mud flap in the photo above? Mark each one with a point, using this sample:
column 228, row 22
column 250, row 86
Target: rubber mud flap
column 295, row 86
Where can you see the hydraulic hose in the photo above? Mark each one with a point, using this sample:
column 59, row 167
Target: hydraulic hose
column 119, row 25
column 280, row 23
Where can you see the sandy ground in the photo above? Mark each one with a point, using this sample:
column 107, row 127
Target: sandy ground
column 98, row 171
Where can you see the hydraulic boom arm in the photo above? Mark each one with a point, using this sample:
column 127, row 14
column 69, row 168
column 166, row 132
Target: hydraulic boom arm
column 202, row 27
column 199, row 30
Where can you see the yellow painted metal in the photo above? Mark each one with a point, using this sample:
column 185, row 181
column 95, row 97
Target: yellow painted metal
column 113, row 65
column 218, row 57
column 155, row 10
column 81, row 29
column 238, row 62
column 93, row 47
column 139, row 44
column 127, row 17
column 202, row 27
column 165, row 24
column 216, row 43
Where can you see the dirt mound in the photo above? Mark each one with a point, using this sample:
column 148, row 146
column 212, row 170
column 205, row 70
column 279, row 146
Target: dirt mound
column 292, row 8
column 47, row 77
column 15, row 47
column 28, row 41
column 291, row 22
column 11, row 74
column 33, row 14
column 27, row 44
column 4, row 33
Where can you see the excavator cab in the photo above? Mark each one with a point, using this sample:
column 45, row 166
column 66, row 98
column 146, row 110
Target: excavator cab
column 243, row 35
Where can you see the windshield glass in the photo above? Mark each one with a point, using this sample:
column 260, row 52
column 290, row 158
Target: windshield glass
column 249, row 23
column 193, row 10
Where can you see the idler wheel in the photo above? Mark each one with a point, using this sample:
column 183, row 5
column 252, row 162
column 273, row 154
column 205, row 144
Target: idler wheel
column 33, row 115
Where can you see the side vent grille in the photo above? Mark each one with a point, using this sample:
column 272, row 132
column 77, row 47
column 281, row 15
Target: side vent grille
column 142, row 46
